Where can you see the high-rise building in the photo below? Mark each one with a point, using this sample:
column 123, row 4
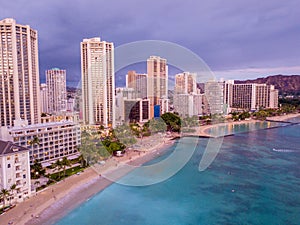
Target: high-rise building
column 228, row 90
column 157, row 82
column 185, row 83
column 19, row 73
column 131, row 108
column 252, row 96
column 137, row 81
column 214, row 94
column 188, row 105
column 44, row 98
column 243, row 96
column 14, row 169
column 57, row 90
column 273, row 97
column 98, row 82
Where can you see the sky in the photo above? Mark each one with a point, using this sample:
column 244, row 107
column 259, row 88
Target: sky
column 237, row 39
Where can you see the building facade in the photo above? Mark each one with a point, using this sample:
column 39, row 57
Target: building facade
column 14, row 170
column 157, row 82
column 188, row 105
column 57, row 90
column 98, row 82
column 19, row 73
column 214, row 94
column 131, row 108
column 185, row 83
column 44, row 98
column 138, row 82
column 253, row 97
column 53, row 140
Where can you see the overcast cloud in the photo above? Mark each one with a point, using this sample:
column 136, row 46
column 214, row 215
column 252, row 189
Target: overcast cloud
column 233, row 35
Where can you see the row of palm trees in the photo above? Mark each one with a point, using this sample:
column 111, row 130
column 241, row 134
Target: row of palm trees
column 61, row 165
column 5, row 193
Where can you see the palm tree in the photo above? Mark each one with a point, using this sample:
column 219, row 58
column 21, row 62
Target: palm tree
column 34, row 141
column 37, row 170
column 82, row 160
column 58, row 166
column 65, row 162
column 4, row 193
column 12, row 190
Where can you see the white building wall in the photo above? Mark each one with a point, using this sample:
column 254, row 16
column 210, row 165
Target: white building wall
column 15, row 169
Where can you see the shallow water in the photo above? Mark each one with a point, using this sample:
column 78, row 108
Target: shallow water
column 248, row 183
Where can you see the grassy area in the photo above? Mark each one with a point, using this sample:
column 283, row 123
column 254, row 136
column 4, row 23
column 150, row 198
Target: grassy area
column 2, row 210
column 69, row 172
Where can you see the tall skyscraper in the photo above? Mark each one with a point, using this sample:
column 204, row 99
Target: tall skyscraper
column 57, row 90
column 44, row 98
column 19, row 73
column 157, row 83
column 138, row 82
column 253, row 96
column 214, row 94
column 185, row 83
column 98, row 82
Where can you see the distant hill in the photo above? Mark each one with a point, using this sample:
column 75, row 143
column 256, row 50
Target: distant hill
column 285, row 84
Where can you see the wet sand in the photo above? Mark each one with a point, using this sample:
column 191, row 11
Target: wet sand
column 52, row 203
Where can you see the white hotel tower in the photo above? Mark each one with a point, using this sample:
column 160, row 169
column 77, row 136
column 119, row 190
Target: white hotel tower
column 98, row 82
column 19, row 73
column 57, row 90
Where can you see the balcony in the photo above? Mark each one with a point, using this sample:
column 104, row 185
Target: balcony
column 17, row 163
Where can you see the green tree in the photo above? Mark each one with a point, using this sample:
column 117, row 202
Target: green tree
column 4, row 194
column 172, row 121
column 37, row 170
column 65, row 162
column 12, row 191
column 156, row 125
column 58, row 167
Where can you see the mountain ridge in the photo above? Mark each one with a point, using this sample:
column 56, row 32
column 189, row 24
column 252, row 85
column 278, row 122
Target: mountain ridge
column 286, row 84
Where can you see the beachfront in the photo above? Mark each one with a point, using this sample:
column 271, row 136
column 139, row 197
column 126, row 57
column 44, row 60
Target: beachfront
column 54, row 201
column 57, row 199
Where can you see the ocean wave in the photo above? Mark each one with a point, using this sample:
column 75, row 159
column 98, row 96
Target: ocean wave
column 283, row 150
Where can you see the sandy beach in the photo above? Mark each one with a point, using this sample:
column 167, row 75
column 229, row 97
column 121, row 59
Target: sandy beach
column 202, row 130
column 284, row 117
column 52, row 203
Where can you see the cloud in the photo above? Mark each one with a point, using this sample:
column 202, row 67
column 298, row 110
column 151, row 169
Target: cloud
column 225, row 34
column 251, row 73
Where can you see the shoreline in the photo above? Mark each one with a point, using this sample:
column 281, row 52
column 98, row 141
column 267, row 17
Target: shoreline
column 202, row 130
column 54, row 202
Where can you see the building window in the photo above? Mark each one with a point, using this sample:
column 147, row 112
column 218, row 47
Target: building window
column 8, row 165
column 24, row 176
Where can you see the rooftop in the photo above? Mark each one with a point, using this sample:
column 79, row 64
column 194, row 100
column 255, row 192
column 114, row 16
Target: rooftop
column 7, row 147
column 42, row 125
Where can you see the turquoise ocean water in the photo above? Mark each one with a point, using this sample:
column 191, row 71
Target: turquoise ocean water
column 255, row 179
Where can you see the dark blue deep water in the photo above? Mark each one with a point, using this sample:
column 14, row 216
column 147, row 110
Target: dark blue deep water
column 255, row 179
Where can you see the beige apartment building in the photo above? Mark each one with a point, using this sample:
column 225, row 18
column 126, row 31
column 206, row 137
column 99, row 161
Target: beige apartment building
column 53, row 140
column 185, row 83
column 137, row 81
column 14, row 170
column 253, row 97
column 19, row 73
column 98, row 82
column 157, row 83
column 44, row 98
column 57, row 90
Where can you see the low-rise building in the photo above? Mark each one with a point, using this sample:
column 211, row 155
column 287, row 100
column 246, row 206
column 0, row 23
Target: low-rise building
column 47, row 141
column 14, row 172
